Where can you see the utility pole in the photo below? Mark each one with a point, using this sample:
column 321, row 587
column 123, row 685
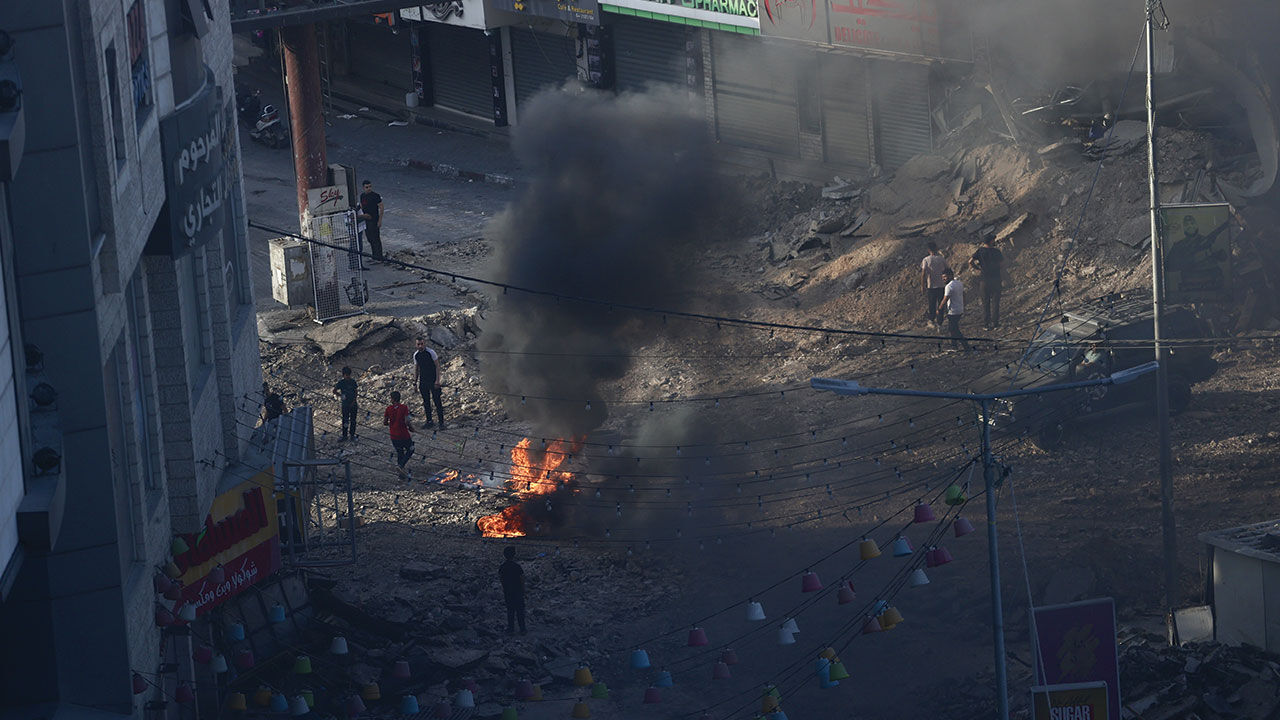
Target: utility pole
column 1169, row 529
column 306, row 111
column 849, row 387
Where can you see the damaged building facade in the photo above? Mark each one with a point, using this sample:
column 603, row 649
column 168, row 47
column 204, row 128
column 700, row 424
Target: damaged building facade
column 135, row 371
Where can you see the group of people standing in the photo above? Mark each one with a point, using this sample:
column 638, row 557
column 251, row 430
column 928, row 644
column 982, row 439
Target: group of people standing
column 426, row 376
column 944, row 292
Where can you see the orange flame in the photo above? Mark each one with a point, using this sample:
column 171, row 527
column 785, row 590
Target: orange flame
column 533, row 472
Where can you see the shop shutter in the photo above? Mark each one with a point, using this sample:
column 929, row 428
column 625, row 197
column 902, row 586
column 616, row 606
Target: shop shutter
column 846, row 103
column 460, row 75
column 540, row 60
column 647, row 52
column 380, row 60
column 903, row 125
column 755, row 94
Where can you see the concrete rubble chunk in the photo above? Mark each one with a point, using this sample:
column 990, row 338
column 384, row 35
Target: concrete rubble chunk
column 1013, row 226
column 415, row 570
column 457, row 659
column 841, row 189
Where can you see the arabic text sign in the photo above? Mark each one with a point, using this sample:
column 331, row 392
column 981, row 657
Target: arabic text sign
column 1076, row 643
column 194, row 143
column 242, row 534
column 901, row 26
column 578, row 11
column 1078, row 701
column 1196, row 240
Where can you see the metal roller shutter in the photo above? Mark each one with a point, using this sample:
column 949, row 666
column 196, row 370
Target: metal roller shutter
column 380, row 57
column 460, row 76
column 845, row 116
column 540, row 61
column 755, row 95
column 903, row 125
column 647, row 52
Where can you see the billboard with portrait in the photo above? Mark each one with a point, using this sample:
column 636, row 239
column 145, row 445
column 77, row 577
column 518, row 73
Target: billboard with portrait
column 1196, row 243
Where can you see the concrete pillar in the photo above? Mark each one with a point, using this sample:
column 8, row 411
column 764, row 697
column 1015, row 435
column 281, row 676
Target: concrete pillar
column 306, row 110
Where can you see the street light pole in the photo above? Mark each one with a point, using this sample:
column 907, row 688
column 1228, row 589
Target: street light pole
column 849, row 387
column 1169, row 528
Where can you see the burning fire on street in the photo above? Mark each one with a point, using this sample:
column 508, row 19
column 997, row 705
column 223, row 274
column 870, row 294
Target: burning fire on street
column 534, row 472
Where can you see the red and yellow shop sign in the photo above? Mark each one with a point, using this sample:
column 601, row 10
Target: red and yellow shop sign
column 242, row 534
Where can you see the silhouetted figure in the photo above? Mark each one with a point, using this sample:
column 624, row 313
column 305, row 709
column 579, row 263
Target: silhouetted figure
column 512, row 577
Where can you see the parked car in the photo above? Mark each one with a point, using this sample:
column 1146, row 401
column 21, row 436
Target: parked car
column 1096, row 339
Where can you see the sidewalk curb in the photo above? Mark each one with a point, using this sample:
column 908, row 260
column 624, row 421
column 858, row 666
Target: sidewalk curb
column 450, row 171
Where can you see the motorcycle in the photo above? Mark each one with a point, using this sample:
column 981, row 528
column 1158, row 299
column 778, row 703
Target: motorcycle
column 268, row 129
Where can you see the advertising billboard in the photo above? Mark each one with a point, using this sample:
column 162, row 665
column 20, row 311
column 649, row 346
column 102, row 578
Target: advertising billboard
column 1076, row 643
column 1196, row 240
column 1077, row 701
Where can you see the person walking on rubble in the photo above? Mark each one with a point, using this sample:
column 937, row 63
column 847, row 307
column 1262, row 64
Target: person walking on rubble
column 426, row 375
column 953, row 306
column 931, row 283
column 512, row 577
column 989, row 262
column 396, row 417
column 345, row 389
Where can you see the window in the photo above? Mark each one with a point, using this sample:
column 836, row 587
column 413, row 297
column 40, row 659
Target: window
column 139, row 61
column 142, row 401
column 113, row 104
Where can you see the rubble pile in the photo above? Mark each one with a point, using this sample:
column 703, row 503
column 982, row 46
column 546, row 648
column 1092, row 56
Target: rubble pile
column 1197, row 681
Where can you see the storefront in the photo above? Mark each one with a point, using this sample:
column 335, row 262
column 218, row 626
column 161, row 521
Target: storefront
column 456, row 59
column 378, row 56
column 653, row 52
column 542, row 60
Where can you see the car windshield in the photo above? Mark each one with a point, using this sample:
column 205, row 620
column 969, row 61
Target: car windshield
column 1051, row 353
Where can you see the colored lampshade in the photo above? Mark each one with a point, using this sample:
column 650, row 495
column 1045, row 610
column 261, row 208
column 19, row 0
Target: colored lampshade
column 872, row 625
column 944, row 556
column 755, row 611
column 235, row 632
column 218, row 664
column 963, row 526
column 867, row 549
column 262, row 696
column 664, row 679
column 302, row 665
column 298, row 706
column 276, row 614
column 580, row 710
column 217, row 575
column 279, row 703
column 902, row 547
column 918, row 578
column 600, row 691
column 470, row 684
column 828, row 653
column 442, row 710
column 409, row 705
column 891, row 617
column 720, row 671
column 139, row 684
column 203, row 654
column 729, row 657
column 171, row 569
column 826, row 683
column 401, row 671
column 954, row 495
column 822, row 667
column 785, row 637
column 371, row 692
column 509, row 713
column 244, row 659
column 772, row 690
column 639, row 659
column 160, row 582
column 652, row 695
column 465, row 699
column 164, row 618
column 338, row 646
column 355, row 706
column 582, row 676
column 178, row 546
column 838, row 671
column 768, row 704
column 778, row 714
column 846, row 594
column 879, row 607
column 187, row 613
column 309, row 696
column 524, row 691
column 697, row 637
column 931, row 558
column 790, row 625
column 923, row 513
column 809, row 582
column 236, row 702
column 173, row 592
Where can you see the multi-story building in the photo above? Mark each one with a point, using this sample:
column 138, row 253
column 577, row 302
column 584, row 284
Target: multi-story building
column 124, row 264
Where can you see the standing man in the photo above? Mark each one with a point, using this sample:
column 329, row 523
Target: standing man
column 512, row 577
column 953, row 306
column 346, row 390
column 989, row 262
column 272, row 405
column 426, row 375
column 931, row 282
column 396, row 416
column 371, row 213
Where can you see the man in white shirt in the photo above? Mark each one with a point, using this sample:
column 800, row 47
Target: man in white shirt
column 953, row 305
column 931, row 283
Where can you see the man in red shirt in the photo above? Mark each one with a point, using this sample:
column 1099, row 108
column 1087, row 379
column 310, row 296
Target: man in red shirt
column 396, row 416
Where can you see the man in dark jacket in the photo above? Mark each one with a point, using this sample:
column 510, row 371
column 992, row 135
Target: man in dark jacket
column 512, row 577
column 989, row 262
